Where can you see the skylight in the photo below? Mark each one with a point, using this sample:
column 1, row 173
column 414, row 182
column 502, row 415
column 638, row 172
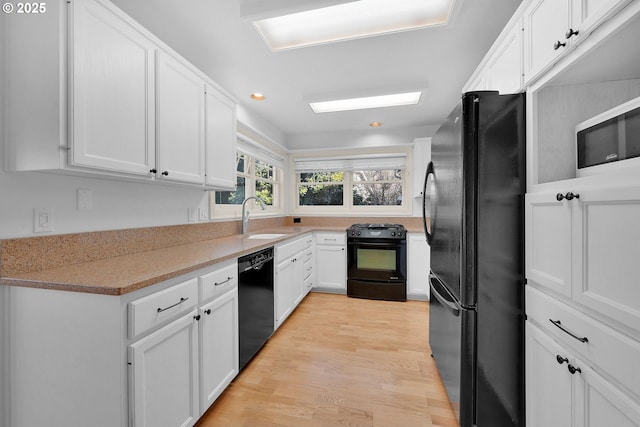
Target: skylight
column 393, row 100
column 352, row 20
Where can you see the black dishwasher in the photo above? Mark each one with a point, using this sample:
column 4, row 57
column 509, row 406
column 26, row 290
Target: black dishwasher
column 255, row 302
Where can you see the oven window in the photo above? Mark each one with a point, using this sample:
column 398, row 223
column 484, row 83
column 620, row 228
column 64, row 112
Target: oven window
column 376, row 259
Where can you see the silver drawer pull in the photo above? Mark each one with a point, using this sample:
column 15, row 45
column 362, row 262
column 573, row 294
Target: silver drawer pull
column 327, row 239
column 223, row 282
column 160, row 310
column 565, row 330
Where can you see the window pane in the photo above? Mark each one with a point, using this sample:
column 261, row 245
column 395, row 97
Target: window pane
column 235, row 197
column 379, row 175
column 264, row 170
column 321, row 177
column 377, row 194
column 264, row 191
column 312, row 195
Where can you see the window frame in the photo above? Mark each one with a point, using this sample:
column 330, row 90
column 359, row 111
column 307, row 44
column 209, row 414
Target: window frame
column 234, row 211
column 348, row 208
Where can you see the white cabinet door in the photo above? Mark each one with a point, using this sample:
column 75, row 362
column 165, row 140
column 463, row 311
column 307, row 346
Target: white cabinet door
column 504, row 68
column 220, row 140
column 606, row 248
column 548, row 243
column 562, row 390
column 587, row 14
column 599, row 403
column 548, row 383
column 219, row 357
column 112, row 87
column 284, row 290
column 332, row 267
column 163, row 381
column 180, row 121
column 545, row 23
column 418, row 266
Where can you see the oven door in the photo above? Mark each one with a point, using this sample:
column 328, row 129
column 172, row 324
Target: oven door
column 377, row 260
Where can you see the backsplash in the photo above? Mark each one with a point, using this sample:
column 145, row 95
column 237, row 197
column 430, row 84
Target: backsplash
column 40, row 253
column 26, row 254
column 411, row 222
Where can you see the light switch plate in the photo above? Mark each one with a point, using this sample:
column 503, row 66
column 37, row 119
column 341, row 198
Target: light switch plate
column 85, row 199
column 193, row 214
column 42, row 220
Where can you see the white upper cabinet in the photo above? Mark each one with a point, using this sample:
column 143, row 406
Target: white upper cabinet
column 552, row 27
column 504, row 68
column 112, row 82
column 545, row 23
column 501, row 68
column 100, row 94
column 220, row 140
column 180, row 116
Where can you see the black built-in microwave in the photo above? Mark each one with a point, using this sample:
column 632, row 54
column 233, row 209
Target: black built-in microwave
column 610, row 140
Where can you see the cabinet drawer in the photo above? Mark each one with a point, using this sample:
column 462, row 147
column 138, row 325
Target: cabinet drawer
column 308, row 240
column 308, row 269
column 606, row 350
column 307, row 255
column 155, row 309
column 331, row 239
column 288, row 249
column 224, row 278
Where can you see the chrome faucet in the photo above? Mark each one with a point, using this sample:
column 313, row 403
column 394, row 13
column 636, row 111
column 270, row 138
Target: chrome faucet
column 245, row 216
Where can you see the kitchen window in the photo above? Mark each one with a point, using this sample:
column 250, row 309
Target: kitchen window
column 362, row 183
column 259, row 173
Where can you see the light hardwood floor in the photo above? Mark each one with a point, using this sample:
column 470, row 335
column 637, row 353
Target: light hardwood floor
column 340, row 361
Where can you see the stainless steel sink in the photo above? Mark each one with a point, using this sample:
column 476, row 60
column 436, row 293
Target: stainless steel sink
column 266, row 236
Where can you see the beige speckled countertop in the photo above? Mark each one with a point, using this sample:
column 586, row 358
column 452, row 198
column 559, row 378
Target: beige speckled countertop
column 123, row 273
column 126, row 273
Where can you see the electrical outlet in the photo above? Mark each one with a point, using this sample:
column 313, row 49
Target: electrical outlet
column 42, row 220
column 204, row 214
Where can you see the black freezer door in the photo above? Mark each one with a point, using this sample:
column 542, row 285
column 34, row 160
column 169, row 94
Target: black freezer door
column 476, row 201
column 498, row 259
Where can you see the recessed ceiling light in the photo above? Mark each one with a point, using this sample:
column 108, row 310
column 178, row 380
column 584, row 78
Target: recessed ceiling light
column 354, row 19
column 393, row 100
column 258, row 96
column 375, row 124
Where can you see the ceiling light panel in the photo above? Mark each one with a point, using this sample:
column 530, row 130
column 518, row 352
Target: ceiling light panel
column 393, row 100
column 356, row 19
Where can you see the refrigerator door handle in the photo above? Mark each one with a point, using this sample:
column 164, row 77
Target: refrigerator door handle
column 429, row 196
column 440, row 292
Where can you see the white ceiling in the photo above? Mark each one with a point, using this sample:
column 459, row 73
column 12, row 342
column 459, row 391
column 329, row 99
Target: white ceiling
column 213, row 36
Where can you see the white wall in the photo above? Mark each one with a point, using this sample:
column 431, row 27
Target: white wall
column 116, row 204
column 374, row 137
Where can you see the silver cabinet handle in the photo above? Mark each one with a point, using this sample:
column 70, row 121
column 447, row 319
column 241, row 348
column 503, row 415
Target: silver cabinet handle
column 223, row 282
column 160, row 310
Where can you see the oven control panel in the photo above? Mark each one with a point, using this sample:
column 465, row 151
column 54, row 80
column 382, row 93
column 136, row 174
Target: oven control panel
column 377, row 231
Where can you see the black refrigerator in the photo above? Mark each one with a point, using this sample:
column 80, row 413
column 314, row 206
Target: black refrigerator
column 473, row 215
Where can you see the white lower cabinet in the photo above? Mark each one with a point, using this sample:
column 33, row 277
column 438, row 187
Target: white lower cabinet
column 155, row 357
column 290, row 286
column 164, row 376
column 548, row 383
column 331, row 261
column 563, row 390
column 418, row 264
column 219, row 358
